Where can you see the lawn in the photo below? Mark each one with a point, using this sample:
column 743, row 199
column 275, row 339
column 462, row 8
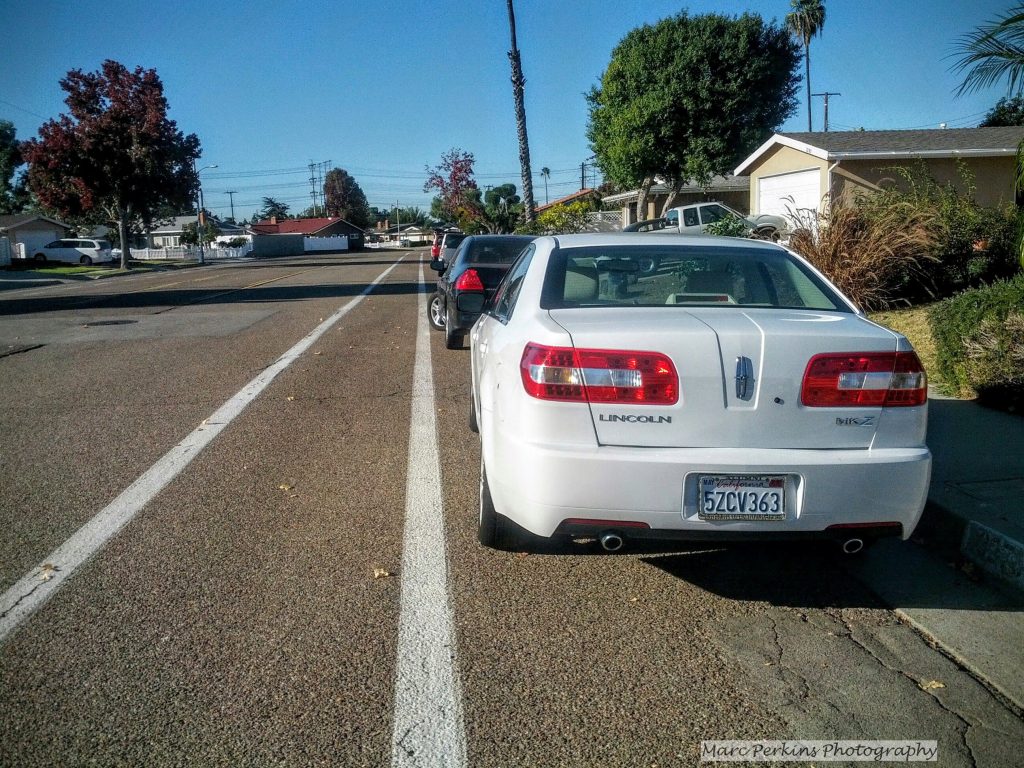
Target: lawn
column 913, row 323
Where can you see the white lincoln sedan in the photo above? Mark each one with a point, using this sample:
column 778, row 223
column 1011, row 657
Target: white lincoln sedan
column 731, row 393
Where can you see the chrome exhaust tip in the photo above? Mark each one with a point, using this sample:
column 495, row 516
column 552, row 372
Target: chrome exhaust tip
column 853, row 546
column 611, row 542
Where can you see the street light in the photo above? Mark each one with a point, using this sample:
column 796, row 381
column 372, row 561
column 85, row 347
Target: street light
column 199, row 211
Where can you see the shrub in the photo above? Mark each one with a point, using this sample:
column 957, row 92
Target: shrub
column 560, row 220
column 730, row 226
column 973, row 245
column 866, row 254
column 979, row 338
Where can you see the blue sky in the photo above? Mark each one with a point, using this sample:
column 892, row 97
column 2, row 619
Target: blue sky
column 382, row 89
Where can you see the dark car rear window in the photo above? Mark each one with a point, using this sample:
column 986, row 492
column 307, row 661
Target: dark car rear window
column 453, row 241
column 496, row 251
column 618, row 275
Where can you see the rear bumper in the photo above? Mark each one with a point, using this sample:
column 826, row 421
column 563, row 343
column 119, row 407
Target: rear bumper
column 541, row 487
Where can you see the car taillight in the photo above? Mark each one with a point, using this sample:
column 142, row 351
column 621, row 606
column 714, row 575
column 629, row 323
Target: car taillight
column 599, row 375
column 880, row 379
column 435, row 251
column 469, row 281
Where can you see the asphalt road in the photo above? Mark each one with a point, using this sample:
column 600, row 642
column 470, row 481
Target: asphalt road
column 249, row 614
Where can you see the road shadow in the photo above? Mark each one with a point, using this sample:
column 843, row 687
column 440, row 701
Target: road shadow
column 163, row 299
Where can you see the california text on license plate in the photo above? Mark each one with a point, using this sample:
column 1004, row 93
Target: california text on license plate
column 742, row 497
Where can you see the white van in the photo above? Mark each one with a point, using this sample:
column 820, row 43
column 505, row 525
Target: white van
column 75, row 251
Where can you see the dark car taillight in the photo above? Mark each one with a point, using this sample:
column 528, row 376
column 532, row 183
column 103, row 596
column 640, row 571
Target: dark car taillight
column 469, row 281
column 599, row 375
column 861, row 379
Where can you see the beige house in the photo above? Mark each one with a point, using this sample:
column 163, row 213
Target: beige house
column 794, row 171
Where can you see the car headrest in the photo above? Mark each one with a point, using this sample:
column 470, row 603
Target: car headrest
column 710, row 282
column 581, row 284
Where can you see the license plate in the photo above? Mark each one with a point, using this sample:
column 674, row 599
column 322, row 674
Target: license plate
column 742, row 497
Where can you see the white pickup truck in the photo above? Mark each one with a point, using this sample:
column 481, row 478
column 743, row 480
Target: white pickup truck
column 693, row 220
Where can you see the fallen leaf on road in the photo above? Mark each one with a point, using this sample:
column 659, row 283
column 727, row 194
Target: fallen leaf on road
column 285, row 487
column 380, row 573
column 290, row 398
column 47, row 572
column 318, row 353
column 931, row 685
column 293, row 496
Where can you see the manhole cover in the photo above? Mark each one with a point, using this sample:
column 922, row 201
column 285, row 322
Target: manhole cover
column 109, row 322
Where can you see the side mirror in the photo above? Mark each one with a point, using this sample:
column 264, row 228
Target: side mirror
column 437, row 265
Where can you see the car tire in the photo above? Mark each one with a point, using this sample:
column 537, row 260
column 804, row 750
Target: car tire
column 493, row 530
column 40, row 258
column 85, row 261
column 473, row 425
column 436, row 312
column 452, row 338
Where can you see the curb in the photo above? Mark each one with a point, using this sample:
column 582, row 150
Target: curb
column 998, row 555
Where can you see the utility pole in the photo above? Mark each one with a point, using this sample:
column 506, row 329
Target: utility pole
column 312, row 184
column 231, row 194
column 583, row 175
column 826, row 94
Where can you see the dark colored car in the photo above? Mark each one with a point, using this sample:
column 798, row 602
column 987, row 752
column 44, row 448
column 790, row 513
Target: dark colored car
column 466, row 282
column 449, row 244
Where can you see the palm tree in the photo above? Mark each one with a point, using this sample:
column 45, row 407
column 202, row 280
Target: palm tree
column 993, row 51
column 518, row 81
column 546, row 173
column 806, row 21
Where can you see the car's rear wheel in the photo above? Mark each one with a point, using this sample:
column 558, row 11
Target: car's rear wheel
column 40, row 258
column 493, row 530
column 436, row 312
column 85, row 261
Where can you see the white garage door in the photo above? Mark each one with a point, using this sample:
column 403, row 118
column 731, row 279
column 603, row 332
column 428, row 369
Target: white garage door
column 36, row 238
column 789, row 192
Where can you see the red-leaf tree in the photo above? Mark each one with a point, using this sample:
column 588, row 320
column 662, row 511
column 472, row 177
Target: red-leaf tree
column 451, row 179
column 116, row 154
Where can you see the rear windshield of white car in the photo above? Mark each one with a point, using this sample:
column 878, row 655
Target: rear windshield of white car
column 649, row 276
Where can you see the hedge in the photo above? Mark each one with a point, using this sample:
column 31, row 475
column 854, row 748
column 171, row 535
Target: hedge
column 979, row 340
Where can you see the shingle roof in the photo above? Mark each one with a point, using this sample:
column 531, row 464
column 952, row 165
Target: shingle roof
column 580, row 195
column 934, row 142
column 911, row 142
column 17, row 219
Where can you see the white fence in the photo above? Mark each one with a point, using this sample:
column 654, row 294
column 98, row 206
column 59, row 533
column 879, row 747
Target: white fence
column 335, row 243
column 604, row 221
column 181, row 252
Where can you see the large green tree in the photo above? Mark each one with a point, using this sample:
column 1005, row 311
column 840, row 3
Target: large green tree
column 344, row 198
column 805, row 22
column 1006, row 112
column 690, row 97
column 116, row 152
column 273, row 208
column 498, row 210
column 14, row 196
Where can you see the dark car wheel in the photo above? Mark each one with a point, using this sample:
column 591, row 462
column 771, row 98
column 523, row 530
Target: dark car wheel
column 436, row 312
column 85, row 261
column 493, row 530
column 40, row 258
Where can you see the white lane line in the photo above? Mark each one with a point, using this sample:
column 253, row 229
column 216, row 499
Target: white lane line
column 428, row 727
column 38, row 585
